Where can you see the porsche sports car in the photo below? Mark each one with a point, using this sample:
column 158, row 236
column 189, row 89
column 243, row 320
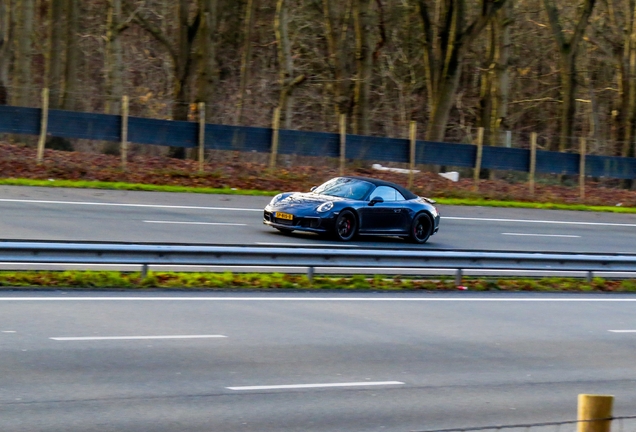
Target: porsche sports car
column 347, row 206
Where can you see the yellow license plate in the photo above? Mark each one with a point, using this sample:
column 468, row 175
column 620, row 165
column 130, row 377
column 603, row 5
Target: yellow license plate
column 287, row 216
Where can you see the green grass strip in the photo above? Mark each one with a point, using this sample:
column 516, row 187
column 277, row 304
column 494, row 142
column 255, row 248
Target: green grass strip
column 533, row 205
column 106, row 280
column 82, row 184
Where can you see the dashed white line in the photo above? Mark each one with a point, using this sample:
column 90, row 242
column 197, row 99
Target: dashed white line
column 101, row 338
column 538, row 221
column 326, row 385
column 541, row 235
column 622, row 331
column 195, row 223
column 86, row 203
column 8, row 331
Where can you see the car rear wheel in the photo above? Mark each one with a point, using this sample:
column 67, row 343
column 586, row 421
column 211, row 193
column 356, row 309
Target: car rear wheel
column 346, row 225
column 420, row 229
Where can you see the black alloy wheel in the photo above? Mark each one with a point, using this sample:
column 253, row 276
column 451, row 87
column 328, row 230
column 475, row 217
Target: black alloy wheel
column 421, row 229
column 346, row 225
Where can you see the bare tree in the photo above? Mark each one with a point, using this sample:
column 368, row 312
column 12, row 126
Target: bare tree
column 55, row 55
column 248, row 24
column 447, row 36
column 568, row 48
column 22, row 71
column 206, row 54
column 72, row 56
column 5, row 51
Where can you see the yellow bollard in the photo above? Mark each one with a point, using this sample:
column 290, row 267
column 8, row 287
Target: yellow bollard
column 594, row 407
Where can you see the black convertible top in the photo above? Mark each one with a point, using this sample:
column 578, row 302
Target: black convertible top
column 405, row 192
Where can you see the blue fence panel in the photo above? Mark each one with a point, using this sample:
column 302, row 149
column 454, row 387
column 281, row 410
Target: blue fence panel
column 20, row 120
column 309, row 143
column 377, row 148
column 70, row 124
column 557, row 163
column 440, row 153
column 163, row 132
column 610, row 166
column 504, row 158
column 238, row 138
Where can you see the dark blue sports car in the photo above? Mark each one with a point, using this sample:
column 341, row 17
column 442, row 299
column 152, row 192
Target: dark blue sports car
column 346, row 206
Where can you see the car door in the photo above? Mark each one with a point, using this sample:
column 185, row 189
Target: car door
column 387, row 216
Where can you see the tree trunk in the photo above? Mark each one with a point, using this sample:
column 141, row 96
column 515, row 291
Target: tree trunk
column 629, row 106
column 337, row 54
column 206, row 55
column 364, row 65
column 55, row 55
column 5, row 52
column 250, row 10
column 114, row 58
column 71, row 96
column 503, row 22
column 22, row 76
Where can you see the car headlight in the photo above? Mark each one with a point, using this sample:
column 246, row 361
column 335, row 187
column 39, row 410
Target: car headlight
column 325, row 207
column 276, row 199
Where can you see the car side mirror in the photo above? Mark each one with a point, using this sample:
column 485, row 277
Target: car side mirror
column 313, row 188
column 376, row 200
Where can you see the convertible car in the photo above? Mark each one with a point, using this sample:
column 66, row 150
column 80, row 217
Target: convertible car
column 347, row 206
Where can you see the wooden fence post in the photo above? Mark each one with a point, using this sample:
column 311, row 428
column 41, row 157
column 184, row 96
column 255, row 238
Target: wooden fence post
column 413, row 142
column 201, row 136
column 124, row 131
column 44, row 124
column 480, row 150
column 533, row 161
column 275, row 128
column 343, row 142
column 591, row 407
column 583, row 151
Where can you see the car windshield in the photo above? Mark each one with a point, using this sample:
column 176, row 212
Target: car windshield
column 345, row 188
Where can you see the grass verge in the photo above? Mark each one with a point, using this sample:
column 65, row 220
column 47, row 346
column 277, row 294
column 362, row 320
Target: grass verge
column 82, row 184
column 257, row 281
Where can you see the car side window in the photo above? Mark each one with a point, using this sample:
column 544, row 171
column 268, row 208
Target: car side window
column 387, row 193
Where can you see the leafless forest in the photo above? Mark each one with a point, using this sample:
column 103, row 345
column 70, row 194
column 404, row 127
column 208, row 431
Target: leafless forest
column 561, row 68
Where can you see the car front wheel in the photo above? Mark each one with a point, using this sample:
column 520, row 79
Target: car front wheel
column 346, row 225
column 420, row 229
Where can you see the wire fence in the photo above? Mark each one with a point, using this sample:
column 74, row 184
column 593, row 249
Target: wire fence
column 615, row 424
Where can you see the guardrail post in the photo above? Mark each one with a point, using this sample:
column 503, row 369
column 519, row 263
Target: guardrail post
column 583, row 152
column 592, row 407
column 589, row 277
column 310, row 274
column 144, row 271
column 413, row 142
column 459, row 274
column 124, row 131
column 275, row 131
column 343, row 142
column 201, row 136
column 480, row 150
column 533, row 161
column 44, row 124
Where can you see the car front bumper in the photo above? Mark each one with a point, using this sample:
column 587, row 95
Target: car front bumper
column 299, row 223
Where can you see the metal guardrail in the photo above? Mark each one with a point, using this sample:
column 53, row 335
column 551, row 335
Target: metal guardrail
column 204, row 255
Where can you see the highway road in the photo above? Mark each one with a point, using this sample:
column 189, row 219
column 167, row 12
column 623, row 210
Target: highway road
column 113, row 361
column 94, row 215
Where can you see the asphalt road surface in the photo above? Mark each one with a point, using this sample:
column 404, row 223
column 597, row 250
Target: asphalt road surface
column 308, row 362
column 93, row 215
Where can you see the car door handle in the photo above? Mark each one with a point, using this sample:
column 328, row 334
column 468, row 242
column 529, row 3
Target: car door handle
column 397, row 210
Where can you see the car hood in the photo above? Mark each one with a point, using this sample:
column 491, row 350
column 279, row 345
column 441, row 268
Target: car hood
column 305, row 200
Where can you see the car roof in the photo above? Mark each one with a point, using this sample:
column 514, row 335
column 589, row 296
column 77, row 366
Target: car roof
column 377, row 182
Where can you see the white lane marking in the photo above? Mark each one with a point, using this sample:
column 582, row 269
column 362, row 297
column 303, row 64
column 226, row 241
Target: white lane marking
column 326, row 385
column 195, row 223
column 100, row 338
column 326, row 299
column 306, row 245
column 541, row 235
column 8, row 331
column 538, row 221
column 128, row 205
column 622, row 331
